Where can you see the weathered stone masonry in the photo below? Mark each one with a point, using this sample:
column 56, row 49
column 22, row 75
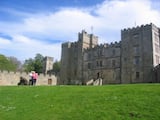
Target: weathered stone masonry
column 12, row 78
column 131, row 60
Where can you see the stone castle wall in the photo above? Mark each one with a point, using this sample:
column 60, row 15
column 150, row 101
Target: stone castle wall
column 102, row 61
column 12, row 78
column 129, row 61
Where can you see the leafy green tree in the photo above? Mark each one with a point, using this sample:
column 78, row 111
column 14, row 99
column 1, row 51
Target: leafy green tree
column 28, row 65
column 38, row 63
column 6, row 64
column 35, row 64
column 56, row 67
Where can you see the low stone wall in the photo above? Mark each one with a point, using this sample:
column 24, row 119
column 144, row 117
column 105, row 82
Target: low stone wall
column 12, row 78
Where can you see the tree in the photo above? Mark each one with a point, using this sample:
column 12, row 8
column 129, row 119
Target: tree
column 16, row 62
column 35, row 64
column 38, row 63
column 56, row 67
column 6, row 64
column 28, row 65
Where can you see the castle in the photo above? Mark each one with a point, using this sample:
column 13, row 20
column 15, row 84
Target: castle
column 131, row 60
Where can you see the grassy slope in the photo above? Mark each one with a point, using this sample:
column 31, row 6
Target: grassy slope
column 113, row 102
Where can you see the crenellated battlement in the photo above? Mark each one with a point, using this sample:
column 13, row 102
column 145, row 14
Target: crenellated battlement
column 137, row 28
column 105, row 45
column 12, row 72
column 112, row 44
column 66, row 45
column 21, row 73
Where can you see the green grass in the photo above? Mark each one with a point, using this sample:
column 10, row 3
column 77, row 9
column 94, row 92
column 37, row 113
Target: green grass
column 112, row 102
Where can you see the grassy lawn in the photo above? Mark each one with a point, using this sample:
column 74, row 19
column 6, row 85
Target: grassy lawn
column 110, row 102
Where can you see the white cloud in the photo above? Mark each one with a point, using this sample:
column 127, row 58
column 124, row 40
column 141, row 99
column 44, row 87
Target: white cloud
column 4, row 42
column 118, row 14
column 60, row 25
column 107, row 20
column 25, row 48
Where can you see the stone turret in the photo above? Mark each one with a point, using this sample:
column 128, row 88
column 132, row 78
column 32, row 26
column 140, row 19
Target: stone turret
column 87, row 40
column 48, row 64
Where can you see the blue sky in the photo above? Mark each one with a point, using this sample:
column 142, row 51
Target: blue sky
column 28, row 27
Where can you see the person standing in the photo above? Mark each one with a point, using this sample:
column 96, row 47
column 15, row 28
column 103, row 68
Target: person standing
column 35, row 76
column 31, row 78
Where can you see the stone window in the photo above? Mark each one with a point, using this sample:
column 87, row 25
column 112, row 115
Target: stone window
column 98, row 75
column 89, row 65
column 113, row 63
column 95, row 53
column 136, row 49
column 89, row 56
column 113, row 52
column 97, row 64
column 101, row 63
column 100, row 52
column 125, row 59
column 135, row 36
column 136, row 60
column 75, row 72
column 137, row 75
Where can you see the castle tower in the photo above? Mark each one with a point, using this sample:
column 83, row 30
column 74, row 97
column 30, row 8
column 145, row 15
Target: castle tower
column 85, row 41
column 72, row 58
column 140, row 52
column 65, row 63
column 48, row 64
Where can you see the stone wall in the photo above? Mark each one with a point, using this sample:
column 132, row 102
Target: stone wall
column 129, row 61
column 102, row 61
column 12, row 78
